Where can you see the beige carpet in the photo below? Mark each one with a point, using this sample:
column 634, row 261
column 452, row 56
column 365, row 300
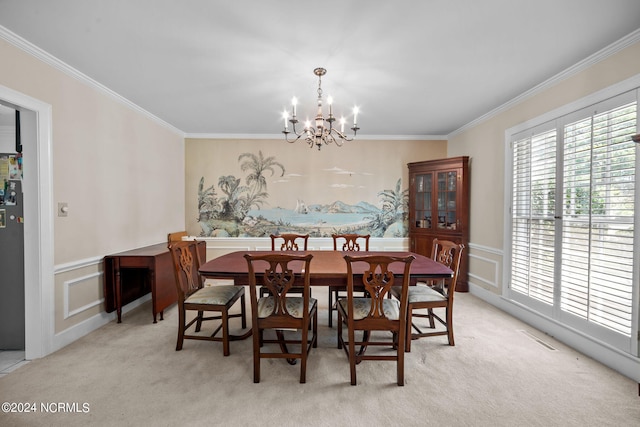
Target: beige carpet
column 129, row 374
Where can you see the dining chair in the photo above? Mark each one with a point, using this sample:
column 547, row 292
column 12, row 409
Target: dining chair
column 434, row 294
column 194, row 296
column 279, row 312
column 288, row 242
column 176, row 236
column 346, row 243
column 375, row 312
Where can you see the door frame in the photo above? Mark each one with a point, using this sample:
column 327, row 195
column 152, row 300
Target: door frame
column 36, row 121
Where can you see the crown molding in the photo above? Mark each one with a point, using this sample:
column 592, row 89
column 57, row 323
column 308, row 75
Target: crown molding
column 51, row 60
column 280, row 138
column 591, row 60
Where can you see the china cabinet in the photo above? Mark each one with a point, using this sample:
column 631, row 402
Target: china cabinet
column 439, row 207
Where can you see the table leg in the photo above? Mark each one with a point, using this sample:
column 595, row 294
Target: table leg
column 152, row 285
column 118, row 290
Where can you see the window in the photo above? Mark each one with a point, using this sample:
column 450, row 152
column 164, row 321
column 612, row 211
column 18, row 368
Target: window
column 573, row 237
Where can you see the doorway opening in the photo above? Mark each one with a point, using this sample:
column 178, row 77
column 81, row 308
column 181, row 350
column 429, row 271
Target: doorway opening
column 36, row 126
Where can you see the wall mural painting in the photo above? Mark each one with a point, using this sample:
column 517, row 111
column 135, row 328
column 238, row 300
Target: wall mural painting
column 239, row 207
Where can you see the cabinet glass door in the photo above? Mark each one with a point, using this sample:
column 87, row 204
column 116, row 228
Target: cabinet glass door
column 447, row 197
column 424, row 192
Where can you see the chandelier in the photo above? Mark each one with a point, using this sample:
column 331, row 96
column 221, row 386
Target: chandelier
column 323, row 132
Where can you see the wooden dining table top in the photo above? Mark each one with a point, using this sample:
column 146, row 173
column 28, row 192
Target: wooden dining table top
column 326, row 268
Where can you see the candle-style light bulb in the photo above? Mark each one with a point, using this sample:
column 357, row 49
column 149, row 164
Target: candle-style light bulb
column 355, row 116
column 285, row 116
column 330, row 101
column 342, row 121
column 294, row 102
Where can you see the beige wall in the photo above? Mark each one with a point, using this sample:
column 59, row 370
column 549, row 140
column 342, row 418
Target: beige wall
column 485, row 144
column 356, row 171
column 121, row 173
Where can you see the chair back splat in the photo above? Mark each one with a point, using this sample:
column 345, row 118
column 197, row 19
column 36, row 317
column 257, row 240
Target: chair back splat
column 374, row 313
column 293, row 319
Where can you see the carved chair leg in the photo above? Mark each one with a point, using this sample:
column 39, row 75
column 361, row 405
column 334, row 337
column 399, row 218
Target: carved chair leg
column 339, row 329
column 407, row 345
column 199, row 322
column 432, row 323
column 352, row 356
column 365, row 339
column 330, row 308
column 225, row 332
column 283, row 347
column 181, row 320
column 315, row 329
column 400, row 362
column 243, row 312
column 450, row 326
column 303, row 355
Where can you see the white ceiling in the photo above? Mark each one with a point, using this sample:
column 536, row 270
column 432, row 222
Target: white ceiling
column 414, row 67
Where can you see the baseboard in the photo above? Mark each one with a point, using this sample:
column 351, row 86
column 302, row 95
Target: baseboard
column 81, row 329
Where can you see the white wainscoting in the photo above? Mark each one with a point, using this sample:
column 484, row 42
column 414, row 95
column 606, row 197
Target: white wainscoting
column 217, row 246
column 68, row 285
column 491, row 260
column 72, row 333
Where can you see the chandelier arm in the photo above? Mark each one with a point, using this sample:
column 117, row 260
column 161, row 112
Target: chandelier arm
column 286, row 133
column 310, row 141
column 342, row 136
column 286, row 137
column 338, row 141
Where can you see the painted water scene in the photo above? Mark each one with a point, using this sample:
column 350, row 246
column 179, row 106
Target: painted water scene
column 248, row 206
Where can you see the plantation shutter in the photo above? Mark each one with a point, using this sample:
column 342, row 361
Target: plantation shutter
column 533, row 208
column 598, row 218
column 574, row 244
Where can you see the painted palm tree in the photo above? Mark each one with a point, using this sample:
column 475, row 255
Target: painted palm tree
column 394, row 202
column 256, row 180
column 258, row 165
column 230, row 185
column 207, row 202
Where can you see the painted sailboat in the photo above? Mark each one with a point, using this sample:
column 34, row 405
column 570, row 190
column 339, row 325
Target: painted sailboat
column 301, row 207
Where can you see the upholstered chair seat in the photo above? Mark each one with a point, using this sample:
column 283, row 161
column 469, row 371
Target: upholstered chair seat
column 218, row 295
column 420, row 293
column 362, row 308
column 294, row 306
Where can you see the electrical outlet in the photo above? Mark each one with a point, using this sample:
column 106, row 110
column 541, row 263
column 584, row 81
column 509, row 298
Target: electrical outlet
column 63, row 209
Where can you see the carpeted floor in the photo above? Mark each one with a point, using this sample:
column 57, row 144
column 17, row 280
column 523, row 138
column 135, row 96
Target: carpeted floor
column 500, row 373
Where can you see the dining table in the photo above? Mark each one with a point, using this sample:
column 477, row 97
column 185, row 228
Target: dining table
column 327, row 267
